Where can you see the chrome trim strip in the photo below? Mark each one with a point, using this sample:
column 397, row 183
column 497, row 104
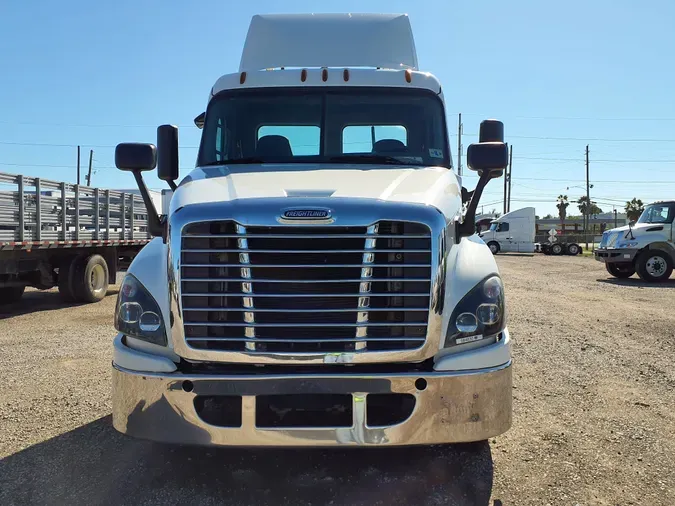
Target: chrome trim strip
column 364, row 289
column 234, row 294
column 328, row 310
column 303, row 340
column 300, row 236
column 348, row 212
column 315, row 266
column 296, row 251
column 299, row 325
column 259, row 280
column 246, row 287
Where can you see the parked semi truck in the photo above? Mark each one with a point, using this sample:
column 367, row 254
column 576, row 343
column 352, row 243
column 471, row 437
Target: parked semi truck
column 646, row 247
column 75, row 237
column 317, row 280
column 512, row 232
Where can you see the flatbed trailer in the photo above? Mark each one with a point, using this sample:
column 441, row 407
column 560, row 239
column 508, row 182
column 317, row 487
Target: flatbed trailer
column 74, row 237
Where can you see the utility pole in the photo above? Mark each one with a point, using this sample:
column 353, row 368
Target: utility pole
column 91, row 157
column 460, row 129
column 508, row 207
column 588, row 199
column 506, row 182
column 616, row 224
column 78, row 164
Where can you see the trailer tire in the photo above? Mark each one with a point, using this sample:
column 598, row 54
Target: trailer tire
column 557, row 249
column 620, row 270
column 654, row 265
column 90, row 278
column 11, row 294
column 494, row 247
column 65, row 278
column 573, row 249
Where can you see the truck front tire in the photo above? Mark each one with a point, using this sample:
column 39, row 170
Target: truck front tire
column 654, row 266
column 620, row 270
column 11, row 294
column 557, row 249
column 494, row 247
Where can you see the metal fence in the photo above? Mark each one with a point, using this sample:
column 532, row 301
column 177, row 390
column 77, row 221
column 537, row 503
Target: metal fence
column 36, row 209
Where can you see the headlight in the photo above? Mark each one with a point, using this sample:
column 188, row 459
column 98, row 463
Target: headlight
column 629, row 244
column 481, row 313
column 138, row 314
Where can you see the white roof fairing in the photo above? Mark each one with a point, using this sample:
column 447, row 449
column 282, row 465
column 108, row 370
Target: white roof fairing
column 329, row 40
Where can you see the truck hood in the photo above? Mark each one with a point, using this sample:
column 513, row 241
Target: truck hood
column 435, row 186
column 643, row 234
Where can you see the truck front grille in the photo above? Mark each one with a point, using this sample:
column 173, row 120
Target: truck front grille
column 305, row 289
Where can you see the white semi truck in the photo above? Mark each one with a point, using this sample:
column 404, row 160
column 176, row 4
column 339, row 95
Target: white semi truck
column 646, row 247
column 512, row 232
column 318, row 280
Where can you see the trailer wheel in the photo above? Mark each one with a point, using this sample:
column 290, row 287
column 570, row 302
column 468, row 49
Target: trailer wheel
column 90, row 278
column 620, row 270
column 557, row 249
column 494, row 247
column 65, row 278
column 654, row 266
column 573, row 249
column 11, row 294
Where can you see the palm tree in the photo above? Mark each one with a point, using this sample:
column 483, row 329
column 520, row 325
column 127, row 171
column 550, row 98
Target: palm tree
column 562, row 207
column 634, row 209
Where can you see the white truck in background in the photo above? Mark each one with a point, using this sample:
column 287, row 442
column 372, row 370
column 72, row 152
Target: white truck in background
column 317, row 279
column 512, row 232
column 646, row 247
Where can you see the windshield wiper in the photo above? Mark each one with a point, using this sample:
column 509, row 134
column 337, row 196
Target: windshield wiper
column 367, row 158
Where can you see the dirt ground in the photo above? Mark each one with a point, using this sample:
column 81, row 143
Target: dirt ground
column 594, row 392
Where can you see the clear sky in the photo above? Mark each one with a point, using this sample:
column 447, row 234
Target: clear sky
column 559, row 74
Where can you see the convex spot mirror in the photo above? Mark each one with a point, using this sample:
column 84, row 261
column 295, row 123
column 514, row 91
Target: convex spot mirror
column 135, row 156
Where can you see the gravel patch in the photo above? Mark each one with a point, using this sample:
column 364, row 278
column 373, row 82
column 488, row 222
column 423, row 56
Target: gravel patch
column 593, row 418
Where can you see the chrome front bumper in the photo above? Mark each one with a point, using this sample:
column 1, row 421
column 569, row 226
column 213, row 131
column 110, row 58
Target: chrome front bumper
column 454, row 407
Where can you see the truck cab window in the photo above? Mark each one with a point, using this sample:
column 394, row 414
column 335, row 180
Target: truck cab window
column 359, row 125
column 303, row 139
column 365, row 138
column 658, row 213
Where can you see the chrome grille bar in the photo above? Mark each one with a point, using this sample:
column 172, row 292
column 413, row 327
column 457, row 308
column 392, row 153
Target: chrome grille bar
column 371, row 265
column 364, row 289
column 258, row 280
column 246, row 286
column 294, row 295
column 285, row 310
column 296, row 236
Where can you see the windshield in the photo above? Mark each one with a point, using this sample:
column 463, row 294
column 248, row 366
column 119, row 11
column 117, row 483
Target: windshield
column 345, row 125
column 658, row 213
column 494, row 226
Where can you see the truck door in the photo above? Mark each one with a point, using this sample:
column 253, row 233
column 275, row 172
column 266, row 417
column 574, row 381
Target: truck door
column 504, row 236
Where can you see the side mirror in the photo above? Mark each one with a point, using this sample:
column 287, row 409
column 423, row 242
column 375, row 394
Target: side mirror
column 489, row 157
column 167, row 147
column 135, row 156
column 490, row 154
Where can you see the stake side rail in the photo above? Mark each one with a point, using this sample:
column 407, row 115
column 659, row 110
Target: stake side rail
column 40, row 213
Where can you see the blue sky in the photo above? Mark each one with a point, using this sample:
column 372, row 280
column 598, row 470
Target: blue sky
column 559, row 74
